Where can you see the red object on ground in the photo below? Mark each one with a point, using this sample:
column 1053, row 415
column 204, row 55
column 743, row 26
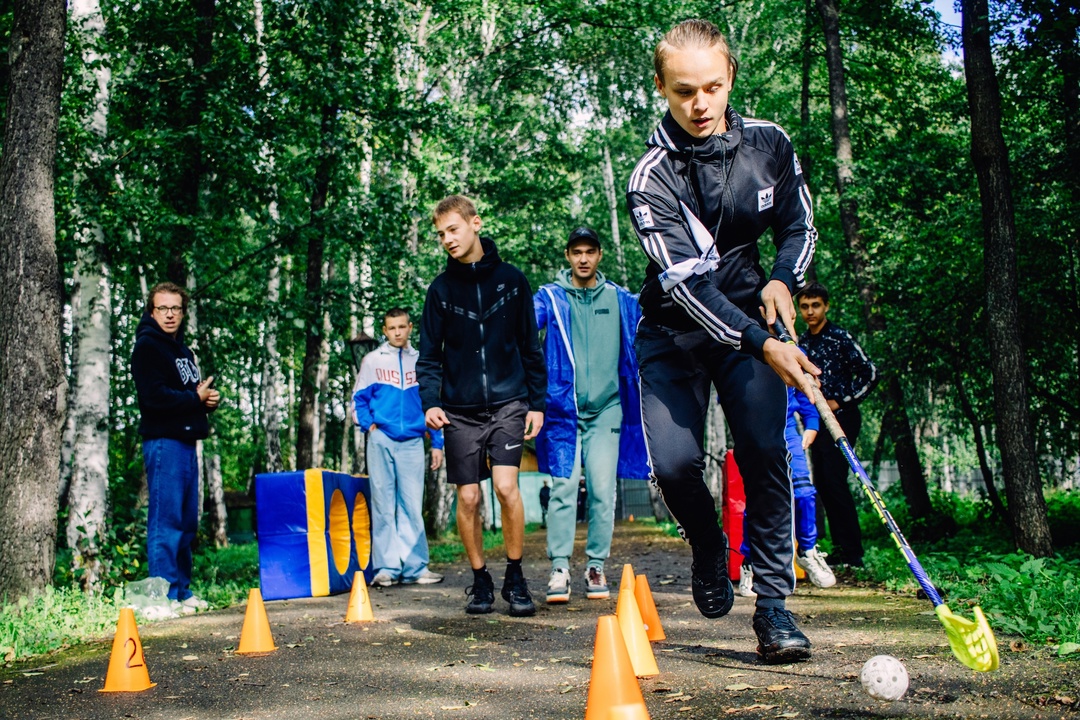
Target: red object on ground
column 734, row 504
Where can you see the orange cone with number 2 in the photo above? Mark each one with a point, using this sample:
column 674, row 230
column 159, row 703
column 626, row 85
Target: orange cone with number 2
column 127, row 666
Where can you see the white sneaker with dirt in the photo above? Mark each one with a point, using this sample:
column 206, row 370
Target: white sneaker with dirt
column 427, row 577
column 596, row 587
column 819, row 572
column 558, row 588
column 195, row 604
column 746, row 581
column 382, row 579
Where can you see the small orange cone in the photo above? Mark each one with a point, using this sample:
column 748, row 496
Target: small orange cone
column 629, row 712
column 633, row 630
column 127, row 665
column 626, row 582
column 359, row 602
column 653, row 629
column 611, row 682
column 255, row 636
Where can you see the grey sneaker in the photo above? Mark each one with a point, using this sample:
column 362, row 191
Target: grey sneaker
column 516, row 592
column 558, row 588
column 382, row 579
column 779, row 639
column 746, row 581
column 596, row 587
column 427, row 577
column 819, row 572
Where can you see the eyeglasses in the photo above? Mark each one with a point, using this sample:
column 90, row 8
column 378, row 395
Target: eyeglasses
column 170, row 310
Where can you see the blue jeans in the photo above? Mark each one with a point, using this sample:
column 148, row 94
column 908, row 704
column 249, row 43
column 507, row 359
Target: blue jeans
column 598, row 446
column 172, row 478
column 396, row 477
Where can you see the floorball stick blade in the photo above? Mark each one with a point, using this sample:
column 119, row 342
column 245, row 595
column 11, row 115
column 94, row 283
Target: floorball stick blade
column 972, row 641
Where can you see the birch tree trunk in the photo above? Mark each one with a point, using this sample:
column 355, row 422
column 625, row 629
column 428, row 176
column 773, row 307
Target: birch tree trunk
column 215, row 486
column 34, row 395
column 613, row 212
column 1023, row 486
column 715, row 448
column 271, row 369
column 88, row 416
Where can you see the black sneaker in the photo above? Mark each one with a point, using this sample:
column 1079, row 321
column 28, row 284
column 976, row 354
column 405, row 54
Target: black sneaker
column 516, row 592
column 481, row 595
column 712, row 590
column 779, row 641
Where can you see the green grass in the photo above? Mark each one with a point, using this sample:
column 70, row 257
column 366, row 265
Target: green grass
column 1035, row 598
column 52, row 620
column 448, row 548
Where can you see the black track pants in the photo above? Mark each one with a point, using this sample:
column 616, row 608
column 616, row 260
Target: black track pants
column 831, row 480
column 677, row 369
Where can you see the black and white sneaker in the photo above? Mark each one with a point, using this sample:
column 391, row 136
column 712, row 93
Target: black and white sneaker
column 481, row 595
column 516, row 592
column 709, row 583
column 779, row 640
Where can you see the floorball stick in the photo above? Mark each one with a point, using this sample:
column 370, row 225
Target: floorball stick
column 972, row 641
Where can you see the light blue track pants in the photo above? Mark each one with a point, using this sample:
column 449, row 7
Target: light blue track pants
column 396, row 475
column 598, row 447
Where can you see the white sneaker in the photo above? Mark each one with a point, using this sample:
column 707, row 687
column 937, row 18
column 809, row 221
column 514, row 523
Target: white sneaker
column 819, row 572
column 382, row 579
column 746, row 581
column 179, row 608
column 427, row 577
column 558, row 589
column 195, row 603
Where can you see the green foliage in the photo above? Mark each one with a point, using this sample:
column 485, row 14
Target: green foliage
column 54, row 619
column 449, row 549
column 223, row 576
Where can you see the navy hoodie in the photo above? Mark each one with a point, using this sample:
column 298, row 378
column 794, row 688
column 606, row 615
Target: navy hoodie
column 166, row 381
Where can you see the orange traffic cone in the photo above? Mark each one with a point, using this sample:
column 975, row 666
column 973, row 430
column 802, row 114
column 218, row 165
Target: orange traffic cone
column 255, row 636
column 359, row 602
column 633, row 630
column 626, row 582
column 611, row 682
column 127, row 665
column 629, row 712
column 653, row 629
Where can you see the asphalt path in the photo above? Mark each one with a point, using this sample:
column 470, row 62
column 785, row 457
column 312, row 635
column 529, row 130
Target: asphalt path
column 423, row 657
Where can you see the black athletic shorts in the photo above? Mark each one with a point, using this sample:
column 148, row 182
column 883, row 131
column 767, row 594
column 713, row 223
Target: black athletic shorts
column 471, row 439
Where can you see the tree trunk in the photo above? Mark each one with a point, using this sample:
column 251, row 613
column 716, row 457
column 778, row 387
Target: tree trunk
column 33, row 400
column 614, row 208
column 215, row 487
column 88, row 496
column 271, row 375
column 88, row 488
column 323, row 399
column 1023, row 486
column 980, row 451
column 306, row 436
column 912, row 479
column 438, row 500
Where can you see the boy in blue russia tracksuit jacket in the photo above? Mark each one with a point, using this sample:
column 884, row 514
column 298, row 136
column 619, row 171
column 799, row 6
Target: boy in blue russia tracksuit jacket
column 387, row 408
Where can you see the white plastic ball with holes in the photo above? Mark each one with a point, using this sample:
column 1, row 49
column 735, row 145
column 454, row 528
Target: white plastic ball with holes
column 884, row 678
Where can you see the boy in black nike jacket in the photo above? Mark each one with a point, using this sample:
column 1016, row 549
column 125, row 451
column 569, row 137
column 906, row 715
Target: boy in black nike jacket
column 483, row 383
column 710, row 184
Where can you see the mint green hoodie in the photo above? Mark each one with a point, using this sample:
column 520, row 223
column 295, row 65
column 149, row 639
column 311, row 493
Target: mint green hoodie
column 594, row 321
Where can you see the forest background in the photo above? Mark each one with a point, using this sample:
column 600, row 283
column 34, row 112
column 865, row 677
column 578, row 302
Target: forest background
column 280, row 159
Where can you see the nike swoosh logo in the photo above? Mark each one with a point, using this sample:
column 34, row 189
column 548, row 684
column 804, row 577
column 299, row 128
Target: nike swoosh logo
column 511, row 447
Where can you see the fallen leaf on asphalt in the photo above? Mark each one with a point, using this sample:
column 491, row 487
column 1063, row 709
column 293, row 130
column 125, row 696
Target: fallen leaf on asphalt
column 778, row 688
column 406, row 644
column 788, row 715
column 485, row 667
column 190, row 657
column 739, row 687
column 761, row 706
column 401, row 630
column 296, row 645
column 737, row 674
column 923, row 657
column 1065, row 699
column 1017, row 646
